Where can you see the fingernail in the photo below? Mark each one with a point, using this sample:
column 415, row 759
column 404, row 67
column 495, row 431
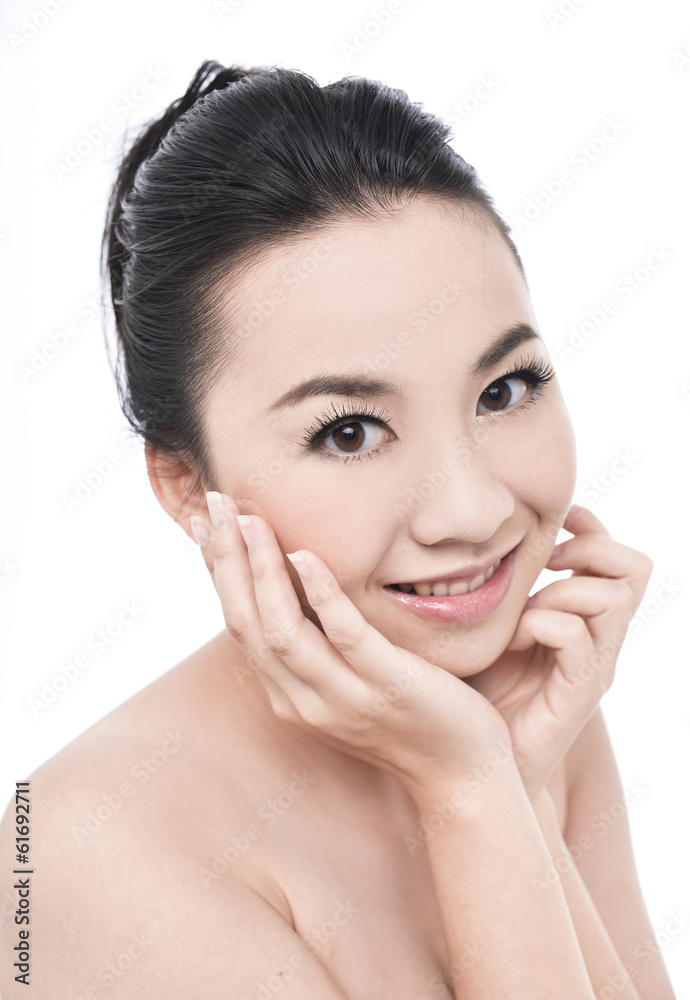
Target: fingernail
column 247, row 529
column 200, row 529
column 556, row 551
column 216, row 508
column 300, row 563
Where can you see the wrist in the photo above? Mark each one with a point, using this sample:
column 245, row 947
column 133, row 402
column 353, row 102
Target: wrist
column 467, row 789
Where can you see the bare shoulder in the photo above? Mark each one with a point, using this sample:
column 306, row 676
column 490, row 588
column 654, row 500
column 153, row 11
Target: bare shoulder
column 121, row 823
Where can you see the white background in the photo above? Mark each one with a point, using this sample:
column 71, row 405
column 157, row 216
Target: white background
column 555, row 80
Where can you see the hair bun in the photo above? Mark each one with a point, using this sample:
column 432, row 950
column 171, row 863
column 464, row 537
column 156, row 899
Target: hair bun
column 210, row 76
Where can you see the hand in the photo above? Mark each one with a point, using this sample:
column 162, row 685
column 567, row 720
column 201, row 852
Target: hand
column 562, row 656
column 347, row 685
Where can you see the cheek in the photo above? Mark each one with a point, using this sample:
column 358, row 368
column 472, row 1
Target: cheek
column 542, row 470
column 550, row 467
column 340, row 523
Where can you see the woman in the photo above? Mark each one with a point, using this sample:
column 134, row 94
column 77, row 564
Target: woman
column 382, row 778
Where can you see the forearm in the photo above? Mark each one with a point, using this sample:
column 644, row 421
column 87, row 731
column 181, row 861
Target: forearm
column 604, row 966
column 485, row 851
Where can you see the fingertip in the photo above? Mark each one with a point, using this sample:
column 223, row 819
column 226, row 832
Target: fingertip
column 201, row 530
column 300, row 563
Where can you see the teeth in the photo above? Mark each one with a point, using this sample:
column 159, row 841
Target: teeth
column 451, row 589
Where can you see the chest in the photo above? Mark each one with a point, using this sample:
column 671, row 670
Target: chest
column 362, row 898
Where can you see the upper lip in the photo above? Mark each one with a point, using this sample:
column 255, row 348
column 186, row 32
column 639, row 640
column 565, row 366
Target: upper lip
column 465, row 572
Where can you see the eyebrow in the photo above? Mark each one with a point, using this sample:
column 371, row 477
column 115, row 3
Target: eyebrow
column 343, row 385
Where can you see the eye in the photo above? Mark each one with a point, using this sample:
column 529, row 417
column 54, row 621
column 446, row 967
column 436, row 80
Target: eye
column 505, row 393
column 349, row 434
column 355, row 436
column 525, row 382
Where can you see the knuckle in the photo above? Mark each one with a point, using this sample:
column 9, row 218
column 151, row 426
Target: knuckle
column 325, row 592
column 237, row 626
column 574, row 627
column 219, row 545
column 280, row 639
column 647, row 564
column 347, row 639
column 283, row 709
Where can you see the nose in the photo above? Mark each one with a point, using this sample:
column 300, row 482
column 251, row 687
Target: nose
column 461, row 498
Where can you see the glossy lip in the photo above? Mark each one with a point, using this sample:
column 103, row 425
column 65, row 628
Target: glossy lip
column 463, row 608
column 467, row 573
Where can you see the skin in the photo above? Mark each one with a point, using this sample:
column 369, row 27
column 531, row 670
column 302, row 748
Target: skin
column 514, row 475
column 259, row 695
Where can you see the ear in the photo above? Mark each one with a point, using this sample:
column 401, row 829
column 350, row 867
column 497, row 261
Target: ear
column 177, row 487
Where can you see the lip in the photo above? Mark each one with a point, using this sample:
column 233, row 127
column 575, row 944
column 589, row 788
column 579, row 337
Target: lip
column 467, row 573
column 463, row 608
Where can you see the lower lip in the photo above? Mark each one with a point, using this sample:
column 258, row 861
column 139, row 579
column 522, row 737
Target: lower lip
column 463, row 608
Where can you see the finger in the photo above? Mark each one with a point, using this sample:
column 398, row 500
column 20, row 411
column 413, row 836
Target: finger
column 581, row 521
column 235, row 586
column 606, row 604
column 583, row 673
column 202, row 532
column 603, row 556
column 279, row 701
column 370, row 654
column 297, row 643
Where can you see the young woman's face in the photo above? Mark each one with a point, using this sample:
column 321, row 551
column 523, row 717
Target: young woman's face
column 447, row 466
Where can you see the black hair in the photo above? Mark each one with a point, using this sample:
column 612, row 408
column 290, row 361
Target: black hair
column 245, row 159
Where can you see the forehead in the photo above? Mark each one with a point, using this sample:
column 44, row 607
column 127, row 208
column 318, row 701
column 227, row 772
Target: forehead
column 431, row 274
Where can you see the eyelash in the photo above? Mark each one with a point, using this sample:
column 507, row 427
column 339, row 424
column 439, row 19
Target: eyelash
column 536, row 372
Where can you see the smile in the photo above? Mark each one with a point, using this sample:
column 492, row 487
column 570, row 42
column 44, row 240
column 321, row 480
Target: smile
column 448, row 586
column 457, row 600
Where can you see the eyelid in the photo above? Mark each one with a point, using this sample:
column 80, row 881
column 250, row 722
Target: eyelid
column 536, row 371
